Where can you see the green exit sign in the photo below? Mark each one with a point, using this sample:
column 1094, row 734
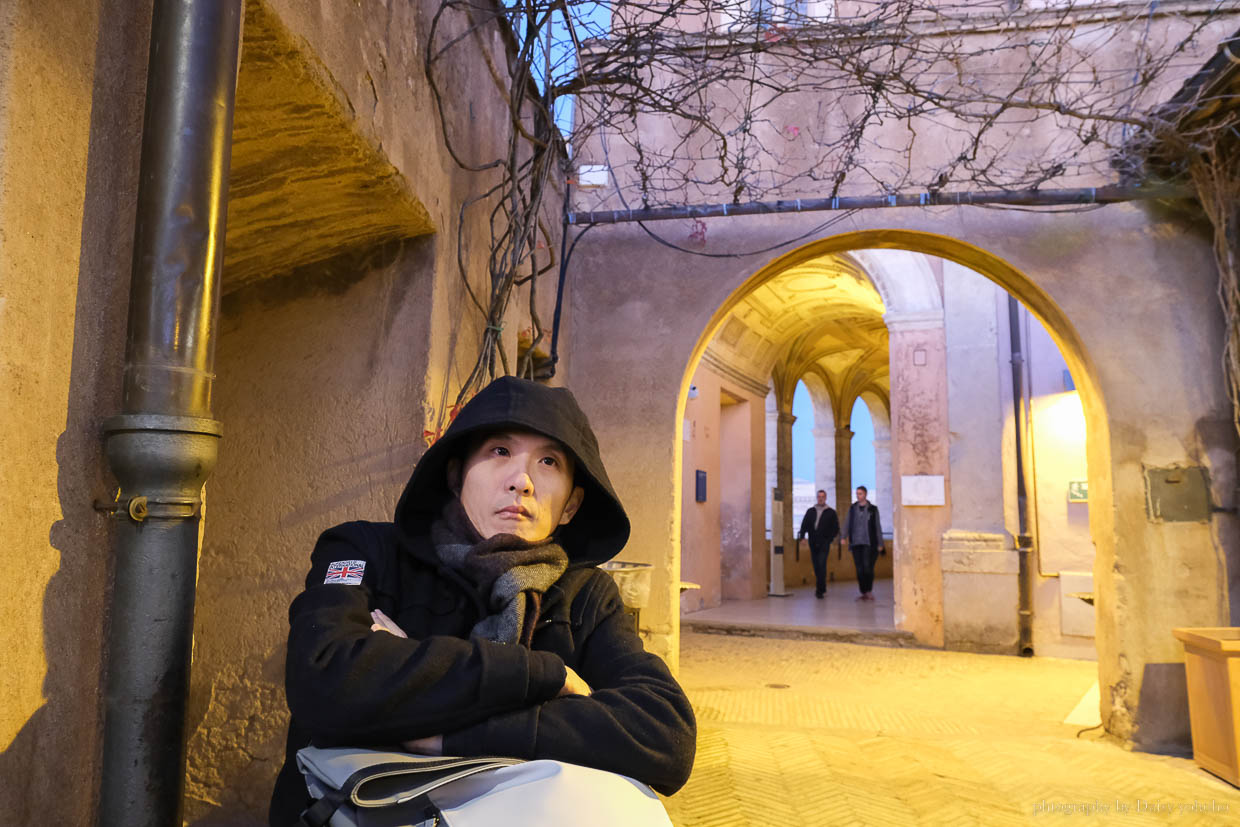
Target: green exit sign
column 1078, row 491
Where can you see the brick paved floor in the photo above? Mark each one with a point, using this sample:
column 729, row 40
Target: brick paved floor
column 797, row 732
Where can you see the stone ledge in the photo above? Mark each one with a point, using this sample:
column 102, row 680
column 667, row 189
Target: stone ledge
column 304, row 185
column 867, row 637
column 973, row 552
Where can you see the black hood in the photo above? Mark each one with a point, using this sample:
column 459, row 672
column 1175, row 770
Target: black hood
column 598, row 530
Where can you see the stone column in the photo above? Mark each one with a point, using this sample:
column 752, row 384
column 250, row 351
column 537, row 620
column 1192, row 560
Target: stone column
column 975, row 410
column 919, row 444
column 843, row 470
column 772, row 456
column 979, row 564
column 783, row 475
column 824, row 459
column 882, row 478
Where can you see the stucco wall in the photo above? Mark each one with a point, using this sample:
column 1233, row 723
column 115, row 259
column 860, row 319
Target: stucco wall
column 723, row 537
column 1069, row 269
column 700, row 527
column 322, row 395
column 71, row 87
column 328, row 377
column 742, row 505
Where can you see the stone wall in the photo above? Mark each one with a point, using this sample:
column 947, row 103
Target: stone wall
column 1101, row 281
column 330, row 372
column 723, row 536
column 345, row 335
column 72, row 86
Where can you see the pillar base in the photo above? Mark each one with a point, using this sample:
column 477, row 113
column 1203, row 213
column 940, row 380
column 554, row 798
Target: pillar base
column 980, row 593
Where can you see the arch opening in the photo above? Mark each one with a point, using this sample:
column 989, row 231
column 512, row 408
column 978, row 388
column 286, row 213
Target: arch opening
column 885, row 299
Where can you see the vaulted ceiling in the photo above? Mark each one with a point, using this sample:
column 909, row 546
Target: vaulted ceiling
column 822, row 317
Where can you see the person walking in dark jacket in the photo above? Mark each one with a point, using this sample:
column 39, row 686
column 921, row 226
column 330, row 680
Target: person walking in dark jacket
column 477, row 622
column 822, row 527
column 863, row 533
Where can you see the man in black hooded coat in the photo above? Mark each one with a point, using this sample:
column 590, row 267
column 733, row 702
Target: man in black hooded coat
column 394, row 639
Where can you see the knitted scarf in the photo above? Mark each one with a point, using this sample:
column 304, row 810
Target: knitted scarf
column 513, row 573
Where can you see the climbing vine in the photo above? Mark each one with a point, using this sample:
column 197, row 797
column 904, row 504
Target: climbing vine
column 733, row 101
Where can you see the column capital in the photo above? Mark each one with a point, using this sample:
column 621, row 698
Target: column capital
column 913, row 320
column 845, row 432
column 786, row 418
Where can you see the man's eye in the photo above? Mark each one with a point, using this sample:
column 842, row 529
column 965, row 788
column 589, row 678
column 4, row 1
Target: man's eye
column 549, row 461
column 500, row 450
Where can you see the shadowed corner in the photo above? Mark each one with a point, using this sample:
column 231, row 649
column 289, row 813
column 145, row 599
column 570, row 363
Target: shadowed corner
column 1165, row 686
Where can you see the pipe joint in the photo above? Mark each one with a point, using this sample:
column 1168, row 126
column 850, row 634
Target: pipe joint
column 161, row 463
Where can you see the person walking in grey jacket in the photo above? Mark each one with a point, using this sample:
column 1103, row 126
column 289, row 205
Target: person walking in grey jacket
column 863, row 534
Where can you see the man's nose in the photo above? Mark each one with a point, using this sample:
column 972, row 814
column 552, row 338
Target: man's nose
column 520, row 481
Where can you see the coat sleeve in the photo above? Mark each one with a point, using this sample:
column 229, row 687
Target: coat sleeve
column 833, row 527
column 347, row 684
column 878, row 529
column 807, row 524
column 638, row 721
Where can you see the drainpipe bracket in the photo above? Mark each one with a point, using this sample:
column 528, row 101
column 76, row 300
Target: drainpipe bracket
column 141, row 508
column 161, row 463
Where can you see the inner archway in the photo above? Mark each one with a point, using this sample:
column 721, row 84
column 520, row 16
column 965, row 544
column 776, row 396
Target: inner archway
column 912, row 317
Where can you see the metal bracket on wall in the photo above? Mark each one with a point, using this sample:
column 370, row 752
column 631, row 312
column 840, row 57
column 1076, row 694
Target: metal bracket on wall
column 142, row 508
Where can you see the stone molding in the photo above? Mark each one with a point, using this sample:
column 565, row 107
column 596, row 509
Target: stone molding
column 731, row 373
column 976, row 552
column 915, row 320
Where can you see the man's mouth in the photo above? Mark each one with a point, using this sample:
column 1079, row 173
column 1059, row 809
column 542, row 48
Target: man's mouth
column 513, row 511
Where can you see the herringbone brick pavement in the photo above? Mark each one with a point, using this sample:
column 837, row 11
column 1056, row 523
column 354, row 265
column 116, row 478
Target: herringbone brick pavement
column 794, row 732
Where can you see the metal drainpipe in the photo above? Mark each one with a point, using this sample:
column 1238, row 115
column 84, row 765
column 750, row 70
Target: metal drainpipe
column 1024, row 541
column 162, row 447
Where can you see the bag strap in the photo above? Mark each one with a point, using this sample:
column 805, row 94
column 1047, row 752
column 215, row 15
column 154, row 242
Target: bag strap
column 319, row 814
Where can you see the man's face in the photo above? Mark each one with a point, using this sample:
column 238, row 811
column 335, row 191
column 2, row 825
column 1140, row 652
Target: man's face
column 521, row 483
column 822, row 497
column 861, row 495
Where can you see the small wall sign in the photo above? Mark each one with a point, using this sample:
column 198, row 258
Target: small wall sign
column 922, row 489
column 1078, row 491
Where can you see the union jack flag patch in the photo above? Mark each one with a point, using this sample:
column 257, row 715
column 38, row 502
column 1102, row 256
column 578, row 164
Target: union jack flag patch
column 346, row 572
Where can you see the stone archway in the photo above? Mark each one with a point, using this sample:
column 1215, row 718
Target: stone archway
column 914, row 320
column 1068, row 270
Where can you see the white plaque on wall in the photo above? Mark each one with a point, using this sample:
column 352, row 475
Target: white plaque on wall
column 922, row 489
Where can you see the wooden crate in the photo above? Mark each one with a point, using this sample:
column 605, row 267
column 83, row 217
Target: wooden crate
column 1212, row 665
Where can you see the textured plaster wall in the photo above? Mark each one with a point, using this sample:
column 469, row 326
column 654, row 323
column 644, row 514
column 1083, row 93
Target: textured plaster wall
column 723, row 538
column 71, row 87
column 975, row 412
column 742, row 508
column 322, row 397
column 700, row 526
column 303, row 184
column 919, row 446
column 1069, row 269
column 331, row 371
column 983, row 463
column 1058, row 430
